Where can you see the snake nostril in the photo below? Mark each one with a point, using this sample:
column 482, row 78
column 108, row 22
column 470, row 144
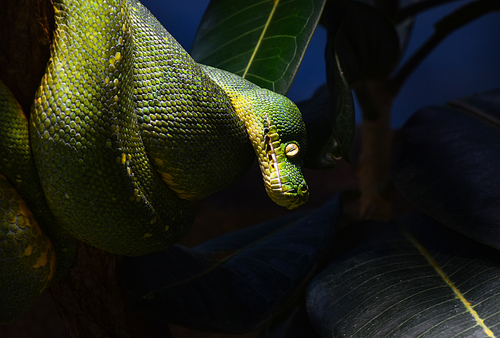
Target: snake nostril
column 303, row 189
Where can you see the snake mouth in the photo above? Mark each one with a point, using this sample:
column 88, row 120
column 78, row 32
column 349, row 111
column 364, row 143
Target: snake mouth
column 288, row 195
column 282, row 178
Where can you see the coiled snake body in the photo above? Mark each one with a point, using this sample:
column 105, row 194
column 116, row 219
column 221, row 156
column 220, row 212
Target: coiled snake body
column 125, row 132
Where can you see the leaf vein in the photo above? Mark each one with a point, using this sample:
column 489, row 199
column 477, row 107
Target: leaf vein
column 423, row 251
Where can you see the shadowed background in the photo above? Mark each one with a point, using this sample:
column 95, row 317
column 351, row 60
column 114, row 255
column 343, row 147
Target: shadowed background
column 466, row 62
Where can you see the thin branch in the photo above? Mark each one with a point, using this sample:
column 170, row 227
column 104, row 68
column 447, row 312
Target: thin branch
column 417, row 8
column 443, row 28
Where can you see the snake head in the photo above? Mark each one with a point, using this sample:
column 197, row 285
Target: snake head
column 281, row 141
column 277, row 132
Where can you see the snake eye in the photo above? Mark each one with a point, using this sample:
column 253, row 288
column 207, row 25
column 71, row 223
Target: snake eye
column 291, row 150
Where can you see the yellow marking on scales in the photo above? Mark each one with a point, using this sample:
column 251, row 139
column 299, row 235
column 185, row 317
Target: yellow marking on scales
column 168, row 179
column 267, row 156
column 42, row 261
column 159, row 161
column 28, row 251
column 240, row 104
column 273, row 158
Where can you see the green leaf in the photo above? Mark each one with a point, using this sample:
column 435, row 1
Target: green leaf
column 447, row 165
column 415, row 279
column 262, row 41
column 237, row 282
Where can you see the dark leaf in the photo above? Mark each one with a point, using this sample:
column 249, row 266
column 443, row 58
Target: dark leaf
column 365, row 41
column 330, row 123
column 234, row 283
column 362, row 44
column 447, row 165
column 418, row 279
column 262, row 41
column 295, row 325
column 342, row 103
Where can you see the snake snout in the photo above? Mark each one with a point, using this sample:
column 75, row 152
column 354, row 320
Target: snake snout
column 301, row 190
column 296, row 196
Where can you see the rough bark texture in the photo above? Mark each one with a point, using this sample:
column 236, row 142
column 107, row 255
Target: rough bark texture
column 25, row 32
column 92, row 302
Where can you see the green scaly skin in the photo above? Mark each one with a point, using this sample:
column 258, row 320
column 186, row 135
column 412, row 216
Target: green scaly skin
column 277, row 132
column 17, row 164
column 27, row 256
column 127, row 130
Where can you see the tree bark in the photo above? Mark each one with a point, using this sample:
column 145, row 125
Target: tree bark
column 92, row 302
column 26, row 28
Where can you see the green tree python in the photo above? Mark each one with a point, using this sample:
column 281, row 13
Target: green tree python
column 126, row 131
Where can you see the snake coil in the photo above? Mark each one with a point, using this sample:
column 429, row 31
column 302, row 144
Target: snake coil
column 125, row 132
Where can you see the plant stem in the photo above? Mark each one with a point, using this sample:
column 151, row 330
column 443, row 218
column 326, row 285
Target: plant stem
column 376, row 139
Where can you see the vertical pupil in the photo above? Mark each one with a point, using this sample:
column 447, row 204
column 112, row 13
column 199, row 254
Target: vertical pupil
column 291, row 149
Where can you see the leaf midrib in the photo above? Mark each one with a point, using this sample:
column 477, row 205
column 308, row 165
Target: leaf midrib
column 266, row 26
column 427, row 255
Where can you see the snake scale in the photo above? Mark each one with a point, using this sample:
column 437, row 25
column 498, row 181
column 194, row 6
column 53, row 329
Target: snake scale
column 126, row 131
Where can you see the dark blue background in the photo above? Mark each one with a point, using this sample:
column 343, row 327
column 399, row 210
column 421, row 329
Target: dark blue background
column 468, row 61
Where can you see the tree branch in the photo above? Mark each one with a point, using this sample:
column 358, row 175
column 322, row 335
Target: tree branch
column 443, row 28
column 417, row 8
